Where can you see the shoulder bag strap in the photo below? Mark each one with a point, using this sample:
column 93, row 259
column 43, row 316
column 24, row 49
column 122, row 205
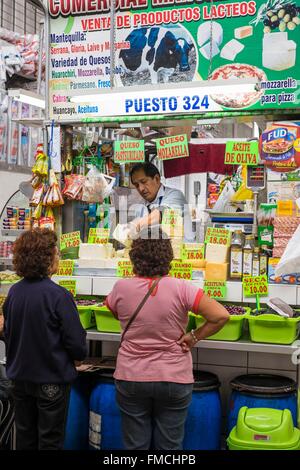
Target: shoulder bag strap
column 139, row 308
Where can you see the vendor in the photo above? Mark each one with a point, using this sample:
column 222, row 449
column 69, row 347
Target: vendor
column 157, row 197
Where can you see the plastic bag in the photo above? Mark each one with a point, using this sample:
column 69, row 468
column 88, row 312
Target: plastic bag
column 97, row 186
column 290, row 260
column 222, row 204
column 73, row 185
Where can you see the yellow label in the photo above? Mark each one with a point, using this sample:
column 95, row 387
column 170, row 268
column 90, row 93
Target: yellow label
column 297, row 145
column 284, row 208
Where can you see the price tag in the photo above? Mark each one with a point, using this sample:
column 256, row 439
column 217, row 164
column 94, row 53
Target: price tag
column 99, row 235
column 125, row 269
column 66, row 268
column 181, row 270
column 172, row 223
column 193, row 252
column 255, row 285
column 215, row 289
column 68, row 240
column 218, row 236
column 70, row 285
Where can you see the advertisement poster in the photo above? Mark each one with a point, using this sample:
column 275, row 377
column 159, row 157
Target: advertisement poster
column 173, row 42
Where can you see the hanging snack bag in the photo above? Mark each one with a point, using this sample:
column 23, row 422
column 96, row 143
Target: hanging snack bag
column 97, row 186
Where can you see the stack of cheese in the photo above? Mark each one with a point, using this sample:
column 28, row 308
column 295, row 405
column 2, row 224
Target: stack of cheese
column 216, row 257
column 96, row 256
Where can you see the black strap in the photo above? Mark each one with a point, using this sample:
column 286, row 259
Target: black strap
column 141, row 305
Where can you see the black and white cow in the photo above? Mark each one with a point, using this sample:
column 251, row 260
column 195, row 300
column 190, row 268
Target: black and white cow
column 157, row 50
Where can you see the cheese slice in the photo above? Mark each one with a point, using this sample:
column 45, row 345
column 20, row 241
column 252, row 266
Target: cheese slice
column 216, row 271
column 231, row 49
column 216, row 253
column 210, row 51
column 208, row 30
column 243, row 32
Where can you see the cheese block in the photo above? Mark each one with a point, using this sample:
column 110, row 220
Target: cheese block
column 197, row 263
column 231, row 49
column 275, row 37
column 243, row 32
column 208, row 29
column 216, row 271
column 92, row 251
column 216, row 253
column 208, row 51
column 279, row 55
column 92, row 263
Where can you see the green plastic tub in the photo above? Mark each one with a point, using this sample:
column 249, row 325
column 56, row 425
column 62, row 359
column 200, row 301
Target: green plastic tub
column 264, row 429
column 233, row 329
column 268, row 328
column 86, row 316
column 105, row 320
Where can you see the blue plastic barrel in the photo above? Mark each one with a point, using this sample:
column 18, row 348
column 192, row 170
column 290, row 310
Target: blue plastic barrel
column 262, row 391
column 105, row 417
column 77, row 426
column 203, row 424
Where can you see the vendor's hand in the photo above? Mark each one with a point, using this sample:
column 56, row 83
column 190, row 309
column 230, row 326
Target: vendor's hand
column 186, row 342
column 134, row 230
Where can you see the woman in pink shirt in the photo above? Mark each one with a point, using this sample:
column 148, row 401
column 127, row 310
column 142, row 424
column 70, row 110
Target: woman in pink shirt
column 154, row 373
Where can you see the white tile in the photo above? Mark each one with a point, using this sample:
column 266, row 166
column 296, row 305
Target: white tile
column 222, row 357
column 271, row 361
column 103, row 285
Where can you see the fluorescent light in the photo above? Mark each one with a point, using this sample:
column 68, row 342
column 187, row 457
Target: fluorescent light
column 208, row 121
column 205, row 86
column 28, row 97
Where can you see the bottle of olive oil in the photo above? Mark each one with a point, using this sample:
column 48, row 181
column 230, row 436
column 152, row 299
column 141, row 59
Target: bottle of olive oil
column 236, row 256
column 248, row 255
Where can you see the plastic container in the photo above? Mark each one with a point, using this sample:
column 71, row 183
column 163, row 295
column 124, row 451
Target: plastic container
column 105, row 417
column 268, row 328
column 232, row 330
column 77, row 426
column 86, row 316
column 264, row 429
column 262, row 391
column 105, row 320
column 203, row 424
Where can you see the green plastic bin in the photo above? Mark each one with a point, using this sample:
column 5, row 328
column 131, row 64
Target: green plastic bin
column 264, row 429
column 105, row 320
column 268, row 328
column 232, row 330
column 86, row 316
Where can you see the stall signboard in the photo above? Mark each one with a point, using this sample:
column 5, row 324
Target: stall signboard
column 215, row 289
column 241, row 153
column 65, row 267
column 125, row 269
column 255, row 286
column 174, row 43
column 99, row 235
column 172, row 147
column 129, row 151
column 218, row 236
column 195, row 252
column 68, row 240
column 70, row 285
column 181, row 270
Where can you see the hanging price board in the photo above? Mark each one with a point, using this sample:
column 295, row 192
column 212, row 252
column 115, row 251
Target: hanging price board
column 215, row 289
column 218, row 236
column 66, row 268
column 125, row 269
column 172, row 147
column 129, row 151
column 192, row 252
column 70, row 285
column 99, row 235
column 68, row 240
column 181, row 270
column 241, row 153
column 255, row 286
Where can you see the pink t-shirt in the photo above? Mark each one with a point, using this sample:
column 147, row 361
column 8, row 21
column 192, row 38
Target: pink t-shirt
column 149, row 352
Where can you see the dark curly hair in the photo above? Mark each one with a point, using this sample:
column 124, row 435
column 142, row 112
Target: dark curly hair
column 151, row 257
column 34, row 253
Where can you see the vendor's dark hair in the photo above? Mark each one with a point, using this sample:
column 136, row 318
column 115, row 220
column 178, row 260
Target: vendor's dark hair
column 148, row 168
column 151, row 257
column 34, row 253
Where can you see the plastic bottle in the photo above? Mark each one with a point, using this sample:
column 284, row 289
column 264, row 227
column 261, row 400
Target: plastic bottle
column 236, row 256
column 255, row 263
column 248, row 255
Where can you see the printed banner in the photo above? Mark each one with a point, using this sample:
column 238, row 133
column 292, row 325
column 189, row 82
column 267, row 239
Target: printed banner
column 129, row 151
column 166, row 42
column 241, row 153
column 172, row 147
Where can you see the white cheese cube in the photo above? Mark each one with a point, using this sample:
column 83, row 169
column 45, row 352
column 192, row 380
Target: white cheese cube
column 282, row 57
column 216, row 253
column 231, row 49
column 275, row 37
column 208, row 30
column 208, row 51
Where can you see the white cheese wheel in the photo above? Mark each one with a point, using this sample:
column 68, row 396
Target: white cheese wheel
column 206, row 30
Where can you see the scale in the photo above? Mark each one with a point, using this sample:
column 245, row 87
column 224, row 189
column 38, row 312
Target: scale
column 256, row 181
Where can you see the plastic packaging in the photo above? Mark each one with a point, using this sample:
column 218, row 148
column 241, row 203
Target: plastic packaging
column 290, row 260
column 97, row 186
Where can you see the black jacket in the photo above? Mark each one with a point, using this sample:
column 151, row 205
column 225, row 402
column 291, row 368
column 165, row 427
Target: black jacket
column 42, row 332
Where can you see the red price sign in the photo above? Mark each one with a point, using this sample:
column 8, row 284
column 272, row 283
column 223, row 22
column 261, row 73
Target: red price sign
column 125, row 269
column 255, row 285
column 215, row 289
column 218, row 236
column 181, row 270
column 66, row 268
column 68, row 240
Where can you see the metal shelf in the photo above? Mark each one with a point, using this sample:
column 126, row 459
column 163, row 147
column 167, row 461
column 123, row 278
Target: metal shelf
column 11, row 233
column 242, row 345
column 6, row 261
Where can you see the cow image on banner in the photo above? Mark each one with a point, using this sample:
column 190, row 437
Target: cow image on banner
column 157, row 54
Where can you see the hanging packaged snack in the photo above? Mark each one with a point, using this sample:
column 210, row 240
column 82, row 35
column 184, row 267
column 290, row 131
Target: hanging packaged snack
column 73, row 186
column 97, row 186
column 37, row 195
column 53, row 195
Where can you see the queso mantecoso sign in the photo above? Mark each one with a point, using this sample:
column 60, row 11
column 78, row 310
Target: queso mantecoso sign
column 168, row 41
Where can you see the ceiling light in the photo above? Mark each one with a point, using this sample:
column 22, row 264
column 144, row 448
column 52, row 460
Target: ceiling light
column 28, row 97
